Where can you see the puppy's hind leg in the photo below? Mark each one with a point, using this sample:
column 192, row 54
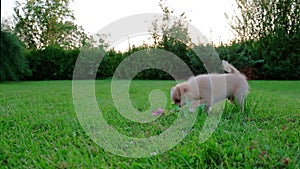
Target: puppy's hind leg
column 240, row 99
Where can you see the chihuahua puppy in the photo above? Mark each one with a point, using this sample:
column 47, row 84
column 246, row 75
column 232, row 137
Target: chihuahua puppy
column 212, row 88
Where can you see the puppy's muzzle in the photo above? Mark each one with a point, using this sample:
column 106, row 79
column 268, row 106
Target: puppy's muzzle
column 177, row 102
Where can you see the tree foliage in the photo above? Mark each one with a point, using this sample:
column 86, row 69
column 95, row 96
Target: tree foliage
column 257, row 19
column 171, row 33
column 7, row 24
column 168, row 31
column 40, row 23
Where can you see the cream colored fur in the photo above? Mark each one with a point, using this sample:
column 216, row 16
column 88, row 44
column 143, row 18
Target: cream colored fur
column 212, row 88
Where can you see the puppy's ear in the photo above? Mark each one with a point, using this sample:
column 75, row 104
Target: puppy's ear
column 185, row 87
column 177, row 91
column 173, row 90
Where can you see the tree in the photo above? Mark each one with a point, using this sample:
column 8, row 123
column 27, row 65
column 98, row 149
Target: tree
column 270, row 30
column 172, row 34
column 40, row 23
column 12, row 61
column 257, row 19
column 169, row 31
column 7, row 24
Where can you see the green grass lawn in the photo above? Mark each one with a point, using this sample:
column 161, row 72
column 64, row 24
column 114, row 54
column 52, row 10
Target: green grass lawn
column 40, row 129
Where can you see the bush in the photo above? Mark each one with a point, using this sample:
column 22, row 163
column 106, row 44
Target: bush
column 109, row 64
column 281, row 54
column 13, row 64
column 242, row 57
column 275, row 57
column 52, row 63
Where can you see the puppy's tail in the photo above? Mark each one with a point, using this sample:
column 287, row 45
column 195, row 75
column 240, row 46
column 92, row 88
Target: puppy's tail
column 229, row 68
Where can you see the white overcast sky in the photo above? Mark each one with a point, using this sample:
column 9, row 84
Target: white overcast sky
column 206, row 15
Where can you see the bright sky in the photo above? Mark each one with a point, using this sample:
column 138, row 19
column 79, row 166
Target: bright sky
column 206, row 15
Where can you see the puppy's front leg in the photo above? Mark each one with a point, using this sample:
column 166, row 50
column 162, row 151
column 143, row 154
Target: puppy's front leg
column 194, row 105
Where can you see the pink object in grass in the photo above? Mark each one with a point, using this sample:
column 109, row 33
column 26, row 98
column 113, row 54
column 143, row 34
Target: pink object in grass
column 158, row 112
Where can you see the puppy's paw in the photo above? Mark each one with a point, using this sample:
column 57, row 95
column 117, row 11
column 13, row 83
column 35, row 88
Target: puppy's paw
column 192, row 110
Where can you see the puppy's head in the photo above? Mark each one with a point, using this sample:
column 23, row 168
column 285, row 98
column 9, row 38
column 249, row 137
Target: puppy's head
column 178, row 94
